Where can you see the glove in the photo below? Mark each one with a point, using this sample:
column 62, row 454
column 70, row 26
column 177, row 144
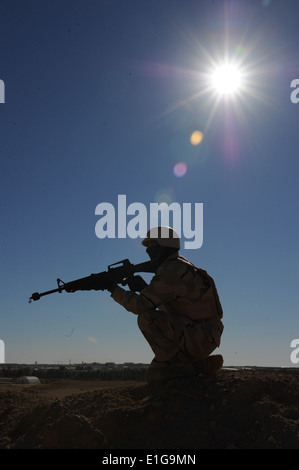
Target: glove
column 111, row 286
column 136, row 283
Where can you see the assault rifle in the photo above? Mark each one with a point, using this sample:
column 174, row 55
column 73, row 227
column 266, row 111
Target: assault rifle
column 122, row 274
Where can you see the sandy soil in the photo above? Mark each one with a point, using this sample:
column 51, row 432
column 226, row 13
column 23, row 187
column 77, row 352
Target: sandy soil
column 236, row 410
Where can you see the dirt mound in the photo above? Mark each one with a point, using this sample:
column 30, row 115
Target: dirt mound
column 242, row 409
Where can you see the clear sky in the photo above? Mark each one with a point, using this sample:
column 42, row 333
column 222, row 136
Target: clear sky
column 101, row 99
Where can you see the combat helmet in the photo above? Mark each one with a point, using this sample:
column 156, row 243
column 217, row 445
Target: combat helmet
column 163, row 236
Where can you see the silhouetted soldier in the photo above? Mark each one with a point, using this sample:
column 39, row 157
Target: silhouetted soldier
column 179, row 312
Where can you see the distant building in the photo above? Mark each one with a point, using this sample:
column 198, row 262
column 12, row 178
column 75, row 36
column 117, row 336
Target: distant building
column 27, row 380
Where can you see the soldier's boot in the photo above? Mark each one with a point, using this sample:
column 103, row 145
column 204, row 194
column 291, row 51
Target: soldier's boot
column 209, row 366
column 177, row 367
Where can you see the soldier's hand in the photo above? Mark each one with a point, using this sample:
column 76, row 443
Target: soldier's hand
column 111, row 288
column 136, row 283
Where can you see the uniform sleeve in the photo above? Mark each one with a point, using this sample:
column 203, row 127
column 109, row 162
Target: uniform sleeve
column 165, row 287
column 135, row 303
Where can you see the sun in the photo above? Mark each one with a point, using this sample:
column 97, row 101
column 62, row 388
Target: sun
column 226, row 79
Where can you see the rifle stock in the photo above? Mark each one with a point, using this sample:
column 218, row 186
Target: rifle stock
column 118, row 273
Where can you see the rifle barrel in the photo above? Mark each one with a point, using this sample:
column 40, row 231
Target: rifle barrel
column 127, row 269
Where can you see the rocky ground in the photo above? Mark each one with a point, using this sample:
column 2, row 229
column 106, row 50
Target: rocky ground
column 237, row 410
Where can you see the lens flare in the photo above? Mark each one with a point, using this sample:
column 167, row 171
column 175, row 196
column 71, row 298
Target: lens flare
column 180, row 169
column 196, row 137
column 164, row 195
column 92, row 339
column 240, row 50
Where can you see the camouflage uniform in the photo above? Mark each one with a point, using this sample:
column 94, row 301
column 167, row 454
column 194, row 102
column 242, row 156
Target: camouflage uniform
column 178, row 312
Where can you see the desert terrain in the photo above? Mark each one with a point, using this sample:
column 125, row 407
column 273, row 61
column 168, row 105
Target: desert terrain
column 236, row 410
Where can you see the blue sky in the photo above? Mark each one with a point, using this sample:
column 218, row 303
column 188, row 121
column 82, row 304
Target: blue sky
column 101, row 98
